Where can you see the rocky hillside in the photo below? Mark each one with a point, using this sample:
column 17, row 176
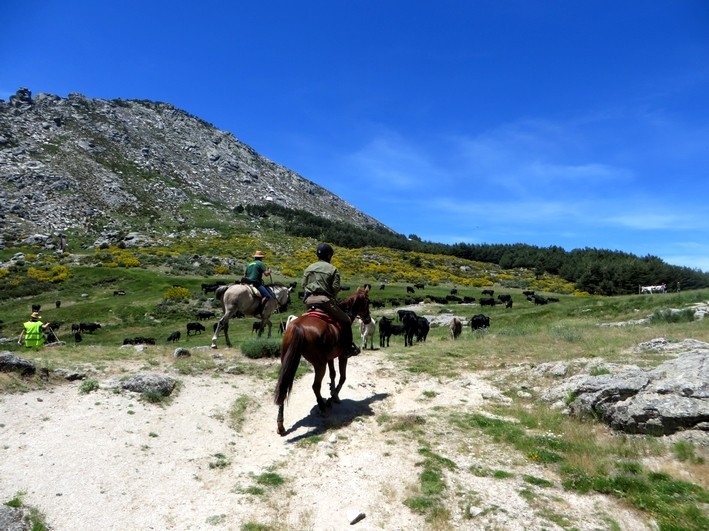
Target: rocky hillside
column 93, row 166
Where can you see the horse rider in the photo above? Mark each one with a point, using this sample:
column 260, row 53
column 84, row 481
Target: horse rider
column 253, row 275
column 32, row 333
column 321, row 283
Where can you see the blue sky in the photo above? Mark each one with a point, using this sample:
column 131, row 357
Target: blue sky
column 571, row 123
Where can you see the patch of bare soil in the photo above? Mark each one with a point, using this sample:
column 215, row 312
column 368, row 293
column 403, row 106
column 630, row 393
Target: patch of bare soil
column 106, row 460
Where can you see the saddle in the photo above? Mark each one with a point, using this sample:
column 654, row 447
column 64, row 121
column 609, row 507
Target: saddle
column 254, row 291
column 323, row 316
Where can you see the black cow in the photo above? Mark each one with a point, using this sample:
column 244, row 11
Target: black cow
column 468, row 299
column 404, row 313
column 409, row 289
column 119, row 292
column 479, row 322
column 382, row 286
column 454, row 291
column 140, row 340
column 376, row 304
column 256, row 327
column 36, row 307
column 206, row 288
column 490, row 292
column 57, row 303
column 75, row 327
column 528, row 293
column 453, row 298
column 420, row 285
column 195, row 327
column 552, row 299
column 387, row 329
column 508, row 304
column 487, row 301
column 504, row 298
column 410, row 322
column 205, row 314
column 78, row 338
column 88, row 327
column 538, row 299
column 175, row 336
column 422, row 329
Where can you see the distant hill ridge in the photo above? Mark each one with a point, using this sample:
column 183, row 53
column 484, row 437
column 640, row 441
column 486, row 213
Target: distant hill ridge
column 95, row 165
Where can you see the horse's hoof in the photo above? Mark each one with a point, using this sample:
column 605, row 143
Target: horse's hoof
column 281, row 430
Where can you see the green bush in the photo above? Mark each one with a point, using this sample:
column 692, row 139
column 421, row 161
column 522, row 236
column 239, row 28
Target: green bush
column 261, row 348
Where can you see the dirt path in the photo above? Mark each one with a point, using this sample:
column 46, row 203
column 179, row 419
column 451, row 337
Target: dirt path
column 108, row 461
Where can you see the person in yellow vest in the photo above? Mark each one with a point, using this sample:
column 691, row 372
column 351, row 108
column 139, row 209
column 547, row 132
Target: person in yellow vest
column 33, row 333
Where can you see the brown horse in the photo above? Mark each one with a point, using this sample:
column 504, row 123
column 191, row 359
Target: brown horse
column 316, row 337
column 246, row 300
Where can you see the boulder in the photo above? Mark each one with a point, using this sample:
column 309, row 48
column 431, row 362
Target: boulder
column 671, row 397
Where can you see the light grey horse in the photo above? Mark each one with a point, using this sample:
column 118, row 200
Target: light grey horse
column 246, row 300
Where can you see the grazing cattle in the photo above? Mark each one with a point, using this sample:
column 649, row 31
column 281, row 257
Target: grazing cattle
column 528, row 293
column 139, row 340
column 256, row 327
column 89, row 327
column 552, row 299
column 78, row 338
column 479, row 322
column 377, row 304
column 118, row 292
column 508, row 304
column 453, row 298
column 420, row 285
column 504, row 298
column 490, row 292
column 381, row 286
column 57, row 303
column 366, row 330
column 661, row 288
column 456, row 327
column 538, row 299
column 409, row 289
column 487, row 301
column 387, row 329
column 207, row 288
column 423, row 326
column 36, row 307
column 467, row 299
column 454, row 291
column 344, row 288
column 410, row 322
column 205, row 314
column 403, row 313
column 438, row 300
column 195, row 327
column 175, row 336
column 75, row 327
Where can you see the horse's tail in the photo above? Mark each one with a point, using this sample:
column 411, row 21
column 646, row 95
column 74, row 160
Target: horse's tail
column 220, row 291
column 293, row 341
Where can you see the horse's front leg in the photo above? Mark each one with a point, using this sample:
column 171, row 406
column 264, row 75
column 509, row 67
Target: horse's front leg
column 343, row 376
column 317, row 383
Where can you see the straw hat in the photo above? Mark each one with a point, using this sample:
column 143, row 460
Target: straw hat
column 35, row 315
column 259, row 254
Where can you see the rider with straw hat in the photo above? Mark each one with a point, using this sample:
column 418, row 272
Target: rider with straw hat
column 254, row 275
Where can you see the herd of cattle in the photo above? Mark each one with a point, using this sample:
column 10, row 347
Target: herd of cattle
column 407, row 324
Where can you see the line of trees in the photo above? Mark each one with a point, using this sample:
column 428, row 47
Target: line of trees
column 596, row 271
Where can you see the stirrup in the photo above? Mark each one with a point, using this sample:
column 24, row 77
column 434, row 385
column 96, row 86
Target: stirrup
column 353, row 351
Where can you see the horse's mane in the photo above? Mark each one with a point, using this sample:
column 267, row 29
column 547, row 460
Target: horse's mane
column 349, row 301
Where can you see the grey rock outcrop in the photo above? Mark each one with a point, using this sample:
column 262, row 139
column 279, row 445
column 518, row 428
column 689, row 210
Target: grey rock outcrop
column 11, row 363
column 96, row 165
column 150, row 383
column 672, row 397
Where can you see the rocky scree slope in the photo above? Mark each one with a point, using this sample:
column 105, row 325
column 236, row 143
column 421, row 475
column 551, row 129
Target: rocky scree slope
column 94, row 165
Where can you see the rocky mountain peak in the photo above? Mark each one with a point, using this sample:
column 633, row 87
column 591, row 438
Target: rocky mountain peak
column 94, row 165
